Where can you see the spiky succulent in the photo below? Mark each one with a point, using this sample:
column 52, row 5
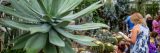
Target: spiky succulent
column 47, row 22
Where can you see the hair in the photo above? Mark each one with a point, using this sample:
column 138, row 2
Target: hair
column 158, row 18
column 158, row 15
column 154, row 34
column 137, row 18
column 158, row 12
column 121, row 47
column 148, row 16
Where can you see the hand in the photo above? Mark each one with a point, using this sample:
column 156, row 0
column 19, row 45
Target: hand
column 122, row 34
column 126, row 37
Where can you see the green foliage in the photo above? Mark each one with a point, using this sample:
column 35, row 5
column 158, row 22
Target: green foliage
column 113, row 13
column 107, row 41
column 13, row 51
column 152, row 8
column 47, row 22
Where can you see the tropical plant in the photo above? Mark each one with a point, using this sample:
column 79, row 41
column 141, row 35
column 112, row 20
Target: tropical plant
column 107, row 41
column 152, row 8
column 114, row 13
column 46, row 23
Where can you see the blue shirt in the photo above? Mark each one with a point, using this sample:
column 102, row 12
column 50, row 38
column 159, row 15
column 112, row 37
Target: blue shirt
column 129, row 23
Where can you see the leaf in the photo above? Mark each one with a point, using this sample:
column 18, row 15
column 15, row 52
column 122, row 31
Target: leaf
column 68, row 5
column 86, row 43
column 22, row 9
column 41, row 28
column 62, row 24
column 84, row 11
column 54, row 7
column 86, row 26
column 50, row 49
column 36, row 43
column 20, row 42
column 28, row 27
column 76, row 37
column 12, row 12
column 42, row 6
column 55, row 39
column 34, row 6
column 67, row 49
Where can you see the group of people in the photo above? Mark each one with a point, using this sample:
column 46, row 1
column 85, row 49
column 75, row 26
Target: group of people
column 143, row 35
column 154, row 27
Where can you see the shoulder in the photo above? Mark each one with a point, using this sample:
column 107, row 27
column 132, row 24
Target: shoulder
column 127, row 19
column 136, row 28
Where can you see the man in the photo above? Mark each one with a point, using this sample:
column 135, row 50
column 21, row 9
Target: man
column 129, row 24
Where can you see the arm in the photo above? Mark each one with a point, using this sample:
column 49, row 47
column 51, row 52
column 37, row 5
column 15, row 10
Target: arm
column 134, row 33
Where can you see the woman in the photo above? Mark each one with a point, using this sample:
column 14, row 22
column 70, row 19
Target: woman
column 153, row 42
column 139, row 35
column 149, row 21
column 156, row 25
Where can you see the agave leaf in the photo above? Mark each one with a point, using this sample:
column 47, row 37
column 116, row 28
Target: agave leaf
column 54, row 7
column 26, row 6
column 86, row 26
column 42, row 6
column 68, row 5
column 41, row 28
column 76, row 37
column 47, row 4
column 62, row 24
column 67, row 48
column 86, row 43
column 49, row 48
column 36, row 43
column 34, row 6
column 23, row 10
column 32, row 28
column 51, row 6
column 12, row 12
column 84, row 11
column 20, row 42
column 55, row 39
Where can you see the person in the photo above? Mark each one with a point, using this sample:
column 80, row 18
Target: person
column 156, row 28
column 129, row 23
column 149, row 21
column 153, row 44
column 121, row 47
column 156, row 24
column 139, row 35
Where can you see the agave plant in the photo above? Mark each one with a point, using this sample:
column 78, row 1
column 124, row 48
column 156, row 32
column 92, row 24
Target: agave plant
column 47, row 24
